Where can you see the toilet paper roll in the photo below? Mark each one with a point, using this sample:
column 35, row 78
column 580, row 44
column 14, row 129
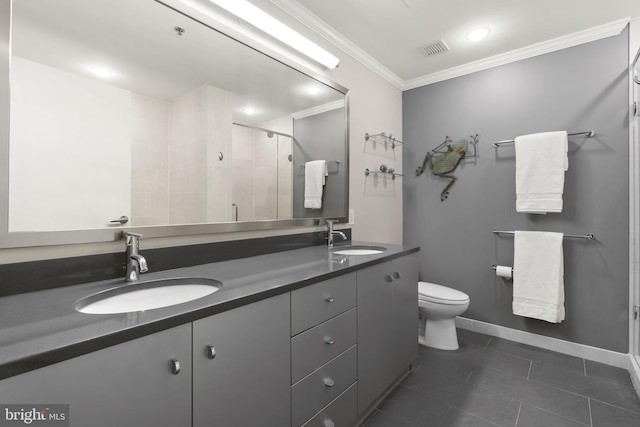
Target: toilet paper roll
column 504, row 271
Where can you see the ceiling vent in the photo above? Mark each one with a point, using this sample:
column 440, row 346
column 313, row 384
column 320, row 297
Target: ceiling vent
column 435, row 48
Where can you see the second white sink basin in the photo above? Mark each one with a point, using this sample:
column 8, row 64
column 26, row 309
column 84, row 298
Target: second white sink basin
column 359, row 250
column 147, row 295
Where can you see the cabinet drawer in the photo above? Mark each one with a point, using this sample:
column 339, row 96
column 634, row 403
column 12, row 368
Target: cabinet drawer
column 316, row 303
column 339, row 413
column 315, row 391
column 316, row 346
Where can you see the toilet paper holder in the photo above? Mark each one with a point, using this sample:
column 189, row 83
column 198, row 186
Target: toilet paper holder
column 495, row 267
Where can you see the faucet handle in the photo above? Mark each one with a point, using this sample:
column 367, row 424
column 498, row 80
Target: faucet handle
column 131, row 238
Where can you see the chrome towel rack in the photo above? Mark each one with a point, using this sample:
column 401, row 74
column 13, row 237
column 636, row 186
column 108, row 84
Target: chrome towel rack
column 589, row 134
column 589, row 236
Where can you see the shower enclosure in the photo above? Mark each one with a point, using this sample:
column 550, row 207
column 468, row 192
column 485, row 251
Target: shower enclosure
column 634, row 221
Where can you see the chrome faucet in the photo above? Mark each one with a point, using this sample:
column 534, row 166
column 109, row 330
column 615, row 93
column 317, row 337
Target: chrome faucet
column 331, row 232
column 136, row 263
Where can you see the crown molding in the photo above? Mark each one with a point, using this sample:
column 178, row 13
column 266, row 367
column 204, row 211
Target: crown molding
column 319, row 109
column 306, row 17
column 563, row 42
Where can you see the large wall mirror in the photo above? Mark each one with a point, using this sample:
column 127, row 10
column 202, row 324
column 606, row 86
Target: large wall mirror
column 130, row 115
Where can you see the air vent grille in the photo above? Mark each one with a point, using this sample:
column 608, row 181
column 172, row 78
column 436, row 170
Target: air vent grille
column 435, row 48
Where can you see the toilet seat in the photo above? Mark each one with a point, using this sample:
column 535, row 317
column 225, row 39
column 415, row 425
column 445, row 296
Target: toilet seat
column 439, row 294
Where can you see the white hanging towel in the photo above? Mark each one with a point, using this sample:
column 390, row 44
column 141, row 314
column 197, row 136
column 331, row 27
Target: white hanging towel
column 541, row 161
column 538, row 275
column 314, row 174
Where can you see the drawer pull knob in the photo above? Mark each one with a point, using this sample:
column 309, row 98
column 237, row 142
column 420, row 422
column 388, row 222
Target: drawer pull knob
column 388, row 278
column 211, row 352
column 329, row 299
column 329, row 340
column 397, row 275
column 175, row 366
column 329, row 382
column 329, row 423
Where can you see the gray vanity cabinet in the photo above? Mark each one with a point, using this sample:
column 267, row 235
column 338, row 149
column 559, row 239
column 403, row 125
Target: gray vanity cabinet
column 241, row 366
column 133, row 384
column 387, row 325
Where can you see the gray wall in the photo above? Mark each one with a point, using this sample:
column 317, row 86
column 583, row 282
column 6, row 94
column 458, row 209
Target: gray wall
column 575, row 89
column 321, row 137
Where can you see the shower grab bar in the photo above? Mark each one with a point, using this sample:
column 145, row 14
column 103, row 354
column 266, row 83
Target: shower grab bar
column 590, row 134
column 589, row 236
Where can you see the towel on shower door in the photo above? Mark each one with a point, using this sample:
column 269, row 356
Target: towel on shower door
column 541, row 161
column 314, row 173
column 538, row 275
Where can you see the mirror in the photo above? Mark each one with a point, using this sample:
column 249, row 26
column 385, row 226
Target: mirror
column 133, row 115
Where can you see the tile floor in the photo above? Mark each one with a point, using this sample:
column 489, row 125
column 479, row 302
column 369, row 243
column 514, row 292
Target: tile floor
column 490, row 381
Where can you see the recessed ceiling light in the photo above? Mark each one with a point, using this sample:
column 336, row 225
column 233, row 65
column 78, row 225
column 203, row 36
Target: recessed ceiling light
column 101, row 72
column 478, row 34
column 313, row 90
column 249, row 110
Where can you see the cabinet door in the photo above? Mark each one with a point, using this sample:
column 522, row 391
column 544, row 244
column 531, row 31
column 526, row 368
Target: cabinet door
column 376, row 358
column 241, row 373
column 129, row 384
column 405, row 308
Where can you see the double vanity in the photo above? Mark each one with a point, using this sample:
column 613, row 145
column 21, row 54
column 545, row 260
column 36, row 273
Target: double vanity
column 313, row 336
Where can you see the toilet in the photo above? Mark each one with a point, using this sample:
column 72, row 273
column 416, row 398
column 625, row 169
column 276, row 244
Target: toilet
column 438, row 306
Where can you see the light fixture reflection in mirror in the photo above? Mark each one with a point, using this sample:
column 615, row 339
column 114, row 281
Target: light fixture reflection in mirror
column 87, row 150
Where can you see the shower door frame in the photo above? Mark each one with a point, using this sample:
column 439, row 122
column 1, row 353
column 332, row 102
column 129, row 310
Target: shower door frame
column 634, row 222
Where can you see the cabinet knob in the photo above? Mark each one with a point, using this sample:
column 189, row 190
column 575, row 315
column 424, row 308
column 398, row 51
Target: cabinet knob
column 175, row 366
column 329, row 423
column 397, row 275
column 329, row 340
column 329, row 299
column 329, row 382
column 211, row 352
column 388, row 278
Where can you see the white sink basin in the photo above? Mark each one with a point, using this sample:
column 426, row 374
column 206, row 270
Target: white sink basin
column 147, row 295
column 359, row 250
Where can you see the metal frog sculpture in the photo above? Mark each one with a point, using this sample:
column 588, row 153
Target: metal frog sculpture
column 442, row 162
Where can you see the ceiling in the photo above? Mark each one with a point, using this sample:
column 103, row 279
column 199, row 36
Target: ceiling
column 391, row 33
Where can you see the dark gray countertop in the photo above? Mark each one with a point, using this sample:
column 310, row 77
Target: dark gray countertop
column 41, row 328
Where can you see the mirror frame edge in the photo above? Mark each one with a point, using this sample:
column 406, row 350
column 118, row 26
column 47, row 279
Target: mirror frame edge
column 10, row 240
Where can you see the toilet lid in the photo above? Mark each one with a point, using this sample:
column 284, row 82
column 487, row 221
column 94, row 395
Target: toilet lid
column 440, row 294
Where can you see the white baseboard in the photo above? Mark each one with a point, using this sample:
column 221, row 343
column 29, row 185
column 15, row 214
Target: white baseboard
column 634, row 371
column 608, row 357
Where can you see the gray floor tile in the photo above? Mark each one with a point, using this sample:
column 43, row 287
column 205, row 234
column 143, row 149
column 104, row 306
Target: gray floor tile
column 608, row 373
column 465, row 335
column 382, row 419
column 414, row 408
column 542, row 396
column 458, row 418
column 459, row 363
column 539, row 355
column 604, row 415
column 593, row 387
column 535, row 417
column 478, row 401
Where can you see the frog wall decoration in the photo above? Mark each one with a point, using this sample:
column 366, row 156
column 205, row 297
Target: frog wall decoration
column 443, row 159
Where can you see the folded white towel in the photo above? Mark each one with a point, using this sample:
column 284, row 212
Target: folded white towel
column 541, row 160
column 314, row 173
column 538, row 275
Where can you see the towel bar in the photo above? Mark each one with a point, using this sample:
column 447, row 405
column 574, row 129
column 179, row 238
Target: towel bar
column 589, row 236
column 329, row 162
column 589, row 134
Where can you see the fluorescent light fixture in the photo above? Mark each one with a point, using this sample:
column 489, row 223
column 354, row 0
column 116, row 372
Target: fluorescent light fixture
column 478, row 34
column 249, row 110
column 313, row 90
column 265, row 22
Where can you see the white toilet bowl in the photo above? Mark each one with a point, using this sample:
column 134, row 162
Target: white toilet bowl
column 438, row 306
